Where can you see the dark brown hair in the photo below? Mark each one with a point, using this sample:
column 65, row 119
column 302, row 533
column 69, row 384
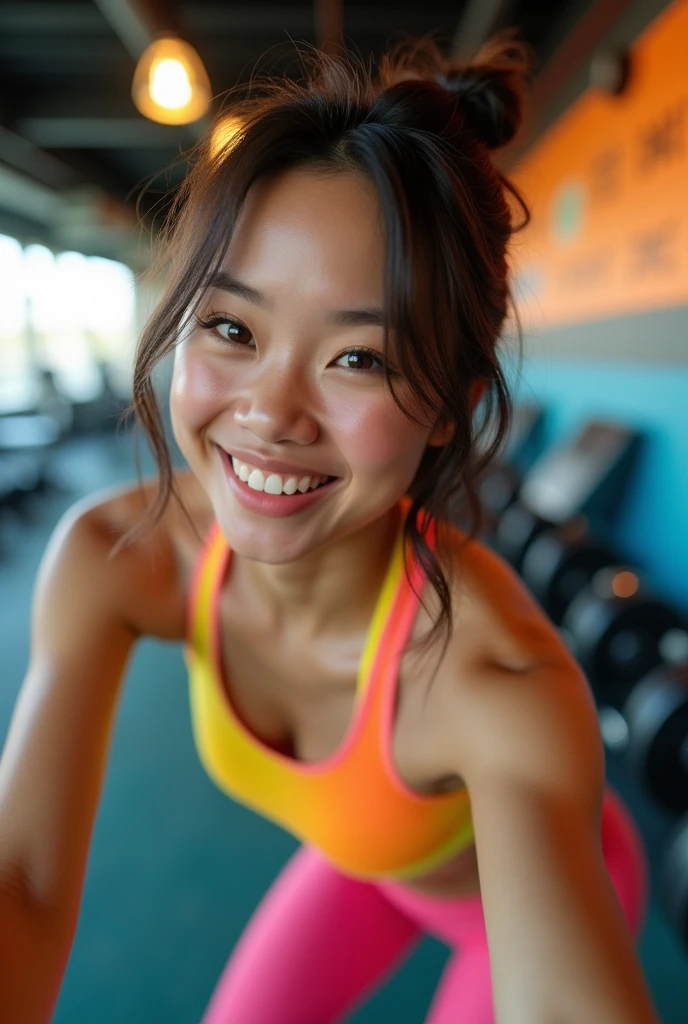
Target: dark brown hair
column 421, row 130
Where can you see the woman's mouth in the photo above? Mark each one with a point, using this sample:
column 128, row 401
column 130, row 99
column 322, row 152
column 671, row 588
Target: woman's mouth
column 273, row 494
column 276, row 483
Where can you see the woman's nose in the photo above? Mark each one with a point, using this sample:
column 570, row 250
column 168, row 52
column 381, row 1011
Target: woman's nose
column 275, row 409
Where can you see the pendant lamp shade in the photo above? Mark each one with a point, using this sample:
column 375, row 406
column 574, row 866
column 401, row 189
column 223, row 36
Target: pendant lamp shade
column 170, row 83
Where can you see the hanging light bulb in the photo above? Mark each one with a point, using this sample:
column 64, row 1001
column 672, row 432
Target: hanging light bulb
column 170, row 83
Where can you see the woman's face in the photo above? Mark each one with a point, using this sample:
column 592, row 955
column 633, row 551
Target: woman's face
column 277, row 369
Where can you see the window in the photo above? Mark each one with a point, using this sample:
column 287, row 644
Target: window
column 72, row 314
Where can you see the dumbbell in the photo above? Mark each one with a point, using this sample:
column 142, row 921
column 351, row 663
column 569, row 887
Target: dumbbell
column 673, row 879
column 515, row 532
column 584, row 475
column 498, row 489
column 559, row 562
column 618, row 631
column 499, row 485
column 656, row 714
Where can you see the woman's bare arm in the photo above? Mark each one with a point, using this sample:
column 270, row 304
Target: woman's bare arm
column 54, row 759
column 560, row 950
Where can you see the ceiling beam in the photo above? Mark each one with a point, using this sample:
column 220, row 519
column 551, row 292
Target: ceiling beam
column 28, row 198
column 74, row 101
column 576, row 48
column 232, row 18
column 83, row 218
column 566, row 75
column 28, row 18
column 99, row 133
column 23, row 155
column 138, row 22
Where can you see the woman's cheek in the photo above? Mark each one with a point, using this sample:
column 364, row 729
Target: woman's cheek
column 376, row 438
column 198, row 392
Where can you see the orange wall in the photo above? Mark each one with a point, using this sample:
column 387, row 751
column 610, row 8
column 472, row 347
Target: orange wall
column 608, row 190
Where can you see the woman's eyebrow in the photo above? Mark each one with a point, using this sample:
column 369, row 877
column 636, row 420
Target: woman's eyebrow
column 226, row 283
column 373, row 316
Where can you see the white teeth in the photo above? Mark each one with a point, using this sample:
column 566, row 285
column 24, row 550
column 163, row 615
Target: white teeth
column 241, row 470
column 273, row 483
column 256, row 480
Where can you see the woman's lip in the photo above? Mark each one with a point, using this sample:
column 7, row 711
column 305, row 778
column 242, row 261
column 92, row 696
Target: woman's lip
column 279, row 505
column 272, row 465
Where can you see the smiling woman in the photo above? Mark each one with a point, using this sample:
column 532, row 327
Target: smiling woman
column 289, row 353
column 406, row 156
column 362, row 671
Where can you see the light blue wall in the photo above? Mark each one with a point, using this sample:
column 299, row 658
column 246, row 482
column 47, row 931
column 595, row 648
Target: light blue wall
column 652, row 531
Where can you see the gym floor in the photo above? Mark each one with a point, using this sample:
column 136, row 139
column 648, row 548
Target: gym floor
column 176, row 869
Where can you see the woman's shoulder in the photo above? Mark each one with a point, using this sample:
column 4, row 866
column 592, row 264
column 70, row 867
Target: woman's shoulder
column 502, row 647
column 496, row 619
column 153, row 568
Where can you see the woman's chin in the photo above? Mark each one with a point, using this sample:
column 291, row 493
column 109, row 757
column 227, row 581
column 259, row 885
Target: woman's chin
column 262, row 543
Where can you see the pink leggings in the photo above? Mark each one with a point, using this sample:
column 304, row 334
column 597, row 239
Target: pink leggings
column 320, row 942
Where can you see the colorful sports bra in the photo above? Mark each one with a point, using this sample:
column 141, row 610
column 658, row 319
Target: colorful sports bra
column 352, row 806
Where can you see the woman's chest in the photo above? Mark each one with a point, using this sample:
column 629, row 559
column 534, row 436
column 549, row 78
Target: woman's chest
column 306, row 699
column 303, row 697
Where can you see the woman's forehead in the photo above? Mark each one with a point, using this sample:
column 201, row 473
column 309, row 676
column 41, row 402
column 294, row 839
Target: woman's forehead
column 320, row 230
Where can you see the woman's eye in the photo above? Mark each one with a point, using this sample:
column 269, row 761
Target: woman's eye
column 228, row 330
column 361, row 359
column 232, row 331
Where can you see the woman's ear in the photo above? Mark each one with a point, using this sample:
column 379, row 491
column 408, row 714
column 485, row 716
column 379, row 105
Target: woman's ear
column 476, row 392
column 444, row 429
column 441, row 434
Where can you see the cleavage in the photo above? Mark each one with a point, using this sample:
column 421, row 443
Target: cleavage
column 282, row 697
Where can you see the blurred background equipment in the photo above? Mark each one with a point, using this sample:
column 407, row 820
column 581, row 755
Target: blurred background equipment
column 582, row 477
column 500, row 483
column 674, row 879
column 560, row 561
column 657, row 715
column 619, row 630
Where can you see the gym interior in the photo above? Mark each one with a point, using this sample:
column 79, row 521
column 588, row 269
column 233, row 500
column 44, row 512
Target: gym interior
column 588, row 500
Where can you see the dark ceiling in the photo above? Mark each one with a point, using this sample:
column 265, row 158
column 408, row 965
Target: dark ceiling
column 66, row 114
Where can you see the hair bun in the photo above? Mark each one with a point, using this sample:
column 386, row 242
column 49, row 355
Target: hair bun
column 490, row 89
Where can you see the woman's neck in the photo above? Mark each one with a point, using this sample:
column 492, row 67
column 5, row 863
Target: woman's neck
column 328, row 590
